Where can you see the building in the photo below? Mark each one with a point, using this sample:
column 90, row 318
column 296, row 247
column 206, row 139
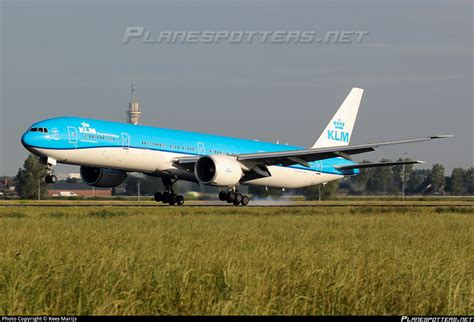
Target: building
column 80, row 189
column 7, row 184
column 73, row 176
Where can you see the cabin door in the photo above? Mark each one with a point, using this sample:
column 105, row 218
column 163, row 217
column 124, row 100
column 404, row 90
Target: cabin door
column 72, row 132
column 201, row 148
column 125, row 141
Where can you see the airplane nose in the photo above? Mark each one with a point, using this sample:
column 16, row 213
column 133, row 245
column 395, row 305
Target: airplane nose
column 28, row 138
column 25, row 139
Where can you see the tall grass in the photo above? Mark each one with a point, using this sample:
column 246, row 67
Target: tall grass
column 213, row 260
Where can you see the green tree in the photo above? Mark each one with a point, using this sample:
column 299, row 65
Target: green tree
column 398, row 176
column 28, row 177
column 381, row 180
column 456, row 181
column 358, row 184
column 416, row 179
column 469, row 180
column 437, row 178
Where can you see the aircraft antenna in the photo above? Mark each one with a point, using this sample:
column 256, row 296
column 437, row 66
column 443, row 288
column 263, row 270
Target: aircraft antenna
column 133, row 92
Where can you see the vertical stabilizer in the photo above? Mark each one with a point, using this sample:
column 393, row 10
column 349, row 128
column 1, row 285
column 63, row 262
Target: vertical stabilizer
column 338, row 132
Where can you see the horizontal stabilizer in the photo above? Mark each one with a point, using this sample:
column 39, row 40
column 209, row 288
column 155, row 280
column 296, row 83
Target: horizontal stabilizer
column 375, row 165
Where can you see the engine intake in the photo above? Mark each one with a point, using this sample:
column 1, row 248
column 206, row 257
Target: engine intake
column 218, row 170
column 100, row 177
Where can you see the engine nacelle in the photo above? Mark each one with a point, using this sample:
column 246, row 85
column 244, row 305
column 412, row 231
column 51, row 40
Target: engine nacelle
column 100, row 177
column 218, row 170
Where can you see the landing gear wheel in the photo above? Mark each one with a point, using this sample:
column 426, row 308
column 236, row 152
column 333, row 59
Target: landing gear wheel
column 165, row 198
column 222, row 196
column 179, row 200
column 245, row 200
column 237, row 199
column 158, row 196
column 50, row 178
column 230, row 197
column 172, row 199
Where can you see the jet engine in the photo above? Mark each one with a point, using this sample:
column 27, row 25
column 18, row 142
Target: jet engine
column 101, row 177
column 218, row 170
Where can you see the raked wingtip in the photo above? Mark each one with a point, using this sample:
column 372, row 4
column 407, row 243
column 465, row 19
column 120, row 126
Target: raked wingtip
column 441, row 136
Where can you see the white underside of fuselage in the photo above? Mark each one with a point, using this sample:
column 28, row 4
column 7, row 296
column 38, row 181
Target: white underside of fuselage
column 160, row 163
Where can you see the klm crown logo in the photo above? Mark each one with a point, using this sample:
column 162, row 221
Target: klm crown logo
column 338, row 134
column 339, row 124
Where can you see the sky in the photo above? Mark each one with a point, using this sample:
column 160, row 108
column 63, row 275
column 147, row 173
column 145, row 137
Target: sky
column 416, row 66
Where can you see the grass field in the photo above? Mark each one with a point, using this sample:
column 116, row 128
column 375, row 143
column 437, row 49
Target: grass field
column 226, row 260
column 340, row 201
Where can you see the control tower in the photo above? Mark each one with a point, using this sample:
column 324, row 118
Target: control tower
column 133, row 113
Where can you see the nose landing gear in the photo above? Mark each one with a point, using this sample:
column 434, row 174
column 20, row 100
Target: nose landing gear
column 50, row 178
column 234, row 196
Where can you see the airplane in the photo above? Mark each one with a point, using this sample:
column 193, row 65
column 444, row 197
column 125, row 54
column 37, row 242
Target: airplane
column 106, row 151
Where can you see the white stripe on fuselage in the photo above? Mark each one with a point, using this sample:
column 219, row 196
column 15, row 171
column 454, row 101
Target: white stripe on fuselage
column 152, row 161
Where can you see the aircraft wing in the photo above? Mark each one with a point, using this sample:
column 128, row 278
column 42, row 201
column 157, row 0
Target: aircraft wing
column 303, row 157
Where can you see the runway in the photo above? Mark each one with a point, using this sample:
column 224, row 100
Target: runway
column 255, row 204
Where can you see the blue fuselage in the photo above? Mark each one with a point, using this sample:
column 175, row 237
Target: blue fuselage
column 75, row 133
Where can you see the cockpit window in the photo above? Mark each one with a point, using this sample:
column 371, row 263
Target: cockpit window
column 39, row 129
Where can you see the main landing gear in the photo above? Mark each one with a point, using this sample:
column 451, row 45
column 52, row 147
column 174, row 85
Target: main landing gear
column 234, row 196
column 169, row 196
